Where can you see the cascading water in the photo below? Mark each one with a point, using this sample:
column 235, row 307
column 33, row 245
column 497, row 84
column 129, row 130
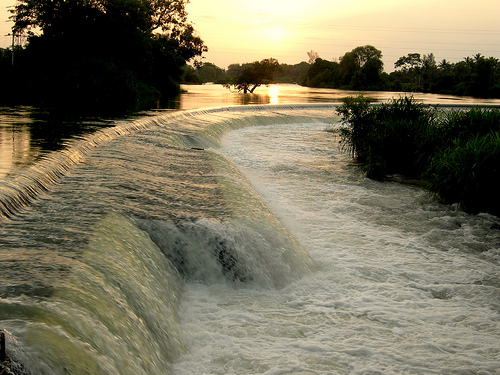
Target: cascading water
column 150, row 252
column 404, row 286
column 96, row 239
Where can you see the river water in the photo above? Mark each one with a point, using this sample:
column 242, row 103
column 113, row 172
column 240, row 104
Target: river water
column 28, row 134
column 404, row 285
column 238, row 240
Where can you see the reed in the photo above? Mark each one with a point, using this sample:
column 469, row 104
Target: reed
column 467, row 172
column 456, row 153
column 391, row 138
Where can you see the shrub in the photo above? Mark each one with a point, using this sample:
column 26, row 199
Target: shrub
column 355, row 136
column 457, row 153
column 466, row 124
column 387, row 139
column 468, row 173
column 404, row 126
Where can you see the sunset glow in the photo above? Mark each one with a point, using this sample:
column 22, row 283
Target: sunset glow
column 274, row 33
column 274, row 92
column 239, row 31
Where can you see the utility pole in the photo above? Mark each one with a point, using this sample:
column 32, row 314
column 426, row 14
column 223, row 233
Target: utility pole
column 13, row 40
column 13, row 32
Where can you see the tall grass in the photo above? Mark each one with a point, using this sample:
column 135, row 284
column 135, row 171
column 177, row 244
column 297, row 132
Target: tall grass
column 456, row 153
column 394, row 137
column 468, row 172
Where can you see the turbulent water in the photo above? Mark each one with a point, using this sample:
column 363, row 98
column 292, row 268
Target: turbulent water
column 405, row 285
column 175, row 245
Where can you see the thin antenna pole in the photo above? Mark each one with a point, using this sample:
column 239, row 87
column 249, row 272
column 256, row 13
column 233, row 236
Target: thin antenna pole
column 13, row 39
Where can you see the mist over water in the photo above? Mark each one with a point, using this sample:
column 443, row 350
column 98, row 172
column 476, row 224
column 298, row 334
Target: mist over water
column 238, row 240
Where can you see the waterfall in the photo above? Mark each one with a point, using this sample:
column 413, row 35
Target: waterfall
column 238, row 240
column 18, row 190
column 97, row 240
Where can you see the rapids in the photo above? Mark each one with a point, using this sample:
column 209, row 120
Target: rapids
column 239, row 241
column 97, row 240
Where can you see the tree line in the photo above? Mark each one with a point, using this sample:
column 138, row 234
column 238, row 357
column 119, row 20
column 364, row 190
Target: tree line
column 97, row 54
column 123, row 54
column 273, row 72
column 363, row 69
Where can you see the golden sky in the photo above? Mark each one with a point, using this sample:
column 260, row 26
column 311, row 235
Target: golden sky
column 238, row 31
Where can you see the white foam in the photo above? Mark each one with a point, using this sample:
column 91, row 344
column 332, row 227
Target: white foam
column 406, row 285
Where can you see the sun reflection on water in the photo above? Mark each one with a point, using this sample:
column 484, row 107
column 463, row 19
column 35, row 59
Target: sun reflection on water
column 274, row 92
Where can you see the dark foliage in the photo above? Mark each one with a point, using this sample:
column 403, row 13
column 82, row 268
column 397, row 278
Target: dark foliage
column 96, row 55
column 468, row 172
column 389, row 138
column 456, row 153
column 476, row 76
column 208, row 72
column 361, row 69
column 292, row 73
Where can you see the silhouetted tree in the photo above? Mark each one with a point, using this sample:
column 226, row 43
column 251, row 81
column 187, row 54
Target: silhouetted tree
column 410, row 67
column 363, row 54
column 296, row 73
column 360, row 68
column 322, row 73
column 416, row 72
column 101, row 53
column 253, row 75
column 209, row 72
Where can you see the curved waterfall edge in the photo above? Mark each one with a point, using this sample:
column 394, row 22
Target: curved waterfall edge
column 17, row 191
column 119, row 293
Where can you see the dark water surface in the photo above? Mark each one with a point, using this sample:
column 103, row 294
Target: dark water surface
column 27, row 133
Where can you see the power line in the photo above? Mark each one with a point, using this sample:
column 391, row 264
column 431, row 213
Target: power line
column 403, row 29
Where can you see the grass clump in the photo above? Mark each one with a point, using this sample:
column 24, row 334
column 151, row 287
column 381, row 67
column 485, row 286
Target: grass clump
column 456, row 153
column 467, row 172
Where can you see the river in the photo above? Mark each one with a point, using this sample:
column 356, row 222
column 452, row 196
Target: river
column 27, row 133
column 238, row 240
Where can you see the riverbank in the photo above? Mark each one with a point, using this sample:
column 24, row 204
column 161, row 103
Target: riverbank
column 455, row 153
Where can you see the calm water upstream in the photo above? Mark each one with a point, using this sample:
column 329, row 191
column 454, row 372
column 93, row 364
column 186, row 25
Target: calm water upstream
column 27, row 134
column 235, row 240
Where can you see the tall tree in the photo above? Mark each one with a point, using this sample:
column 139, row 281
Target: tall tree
column 99, row 49
column 409, row 62
column 410, row 67
column 365, row 53
column 361, row 68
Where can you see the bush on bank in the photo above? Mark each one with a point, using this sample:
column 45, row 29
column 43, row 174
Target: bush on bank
column 455, row 153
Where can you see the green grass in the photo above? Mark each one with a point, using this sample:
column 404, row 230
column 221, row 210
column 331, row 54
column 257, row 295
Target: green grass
column 456, row 153
column 468, row 172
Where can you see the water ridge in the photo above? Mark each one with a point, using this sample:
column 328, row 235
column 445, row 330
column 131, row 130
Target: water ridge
column 92, row 274
column 18, row 190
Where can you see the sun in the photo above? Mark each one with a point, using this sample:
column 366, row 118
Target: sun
column 275, row 33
